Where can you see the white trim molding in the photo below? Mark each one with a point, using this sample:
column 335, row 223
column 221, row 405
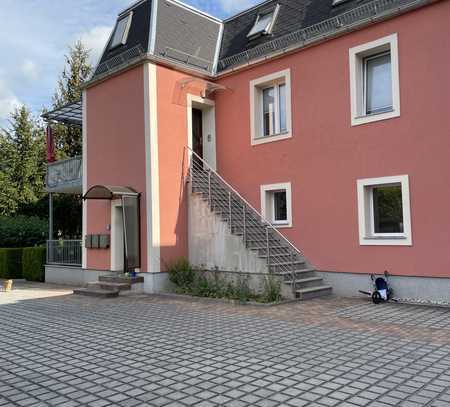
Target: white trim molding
column 357, row 56
column 367, row 236
column 152, row 169
column 256, row 113
column 84, row 178
column 208, row 107
column 267, row 203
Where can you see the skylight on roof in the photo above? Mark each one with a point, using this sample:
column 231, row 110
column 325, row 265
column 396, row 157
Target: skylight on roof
column 121, row 31
column 264, row 23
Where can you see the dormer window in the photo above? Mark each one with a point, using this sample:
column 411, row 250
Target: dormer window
column 121, row 31
column 264, row 23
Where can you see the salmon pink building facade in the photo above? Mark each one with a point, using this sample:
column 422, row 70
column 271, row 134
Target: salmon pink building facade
column 307, row 140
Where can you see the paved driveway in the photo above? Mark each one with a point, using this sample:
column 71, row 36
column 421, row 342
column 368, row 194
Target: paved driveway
column 155, row 351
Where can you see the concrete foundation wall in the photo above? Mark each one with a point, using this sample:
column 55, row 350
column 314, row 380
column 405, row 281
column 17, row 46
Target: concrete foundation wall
column 155, row 283
column 412, row 288
column 213, row 247
column 74, row 276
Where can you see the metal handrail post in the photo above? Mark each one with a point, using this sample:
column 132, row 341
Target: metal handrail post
column 229, row 209
column 245, row 225
column 209, row 189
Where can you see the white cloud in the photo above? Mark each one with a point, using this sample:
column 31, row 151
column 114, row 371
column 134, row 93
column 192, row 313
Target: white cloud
column 8, row 102
column 95, row 40
column 30, row 69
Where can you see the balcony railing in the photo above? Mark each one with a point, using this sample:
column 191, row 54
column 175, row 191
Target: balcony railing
column 64, row 252
column 65, row 175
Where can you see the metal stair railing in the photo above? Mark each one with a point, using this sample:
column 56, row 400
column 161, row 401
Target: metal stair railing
column 243, row 218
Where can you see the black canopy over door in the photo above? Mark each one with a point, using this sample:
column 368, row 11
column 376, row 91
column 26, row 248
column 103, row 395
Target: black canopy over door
column 131, row 219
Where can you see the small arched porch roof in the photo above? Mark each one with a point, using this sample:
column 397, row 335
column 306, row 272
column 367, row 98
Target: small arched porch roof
column 109, row 192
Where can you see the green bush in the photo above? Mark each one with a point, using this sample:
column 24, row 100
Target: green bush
column 22, row 231
column 181, row 274
column 272, row 289
column 33, row 263
column 10, row 263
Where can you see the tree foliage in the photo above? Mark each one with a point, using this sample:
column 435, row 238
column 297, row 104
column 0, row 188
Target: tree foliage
column 22, row 167
column 76, row 70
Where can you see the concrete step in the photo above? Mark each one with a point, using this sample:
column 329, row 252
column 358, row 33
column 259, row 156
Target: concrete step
column 121, row 279
column 103, row 285
column 307, row 282
column 98, row 293
column 299, row 274
column 313, row 292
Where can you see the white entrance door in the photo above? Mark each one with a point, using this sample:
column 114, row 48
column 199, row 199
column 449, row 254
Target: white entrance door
column 117, row 242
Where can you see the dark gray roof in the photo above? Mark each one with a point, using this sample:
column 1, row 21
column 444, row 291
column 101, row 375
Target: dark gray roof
column 192, row 38
column 137, row 42
column 186, row 36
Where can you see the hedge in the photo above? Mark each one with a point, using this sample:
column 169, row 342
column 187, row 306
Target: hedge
column 22, row 231
column 11, row 263
column 33, row 262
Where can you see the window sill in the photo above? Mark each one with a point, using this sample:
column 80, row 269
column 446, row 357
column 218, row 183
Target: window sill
column 270, row 139
column 375, row 117
column 283, row 225
column 385, row 241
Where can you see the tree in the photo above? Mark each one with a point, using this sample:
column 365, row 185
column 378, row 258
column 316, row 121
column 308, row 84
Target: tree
column 77, row 69
column 22, row 168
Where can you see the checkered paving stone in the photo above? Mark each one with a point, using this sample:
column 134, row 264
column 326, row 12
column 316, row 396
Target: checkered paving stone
column 401, row 314
column 147, row 352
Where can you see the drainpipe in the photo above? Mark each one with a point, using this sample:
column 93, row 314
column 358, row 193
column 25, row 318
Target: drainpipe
column 50, row 216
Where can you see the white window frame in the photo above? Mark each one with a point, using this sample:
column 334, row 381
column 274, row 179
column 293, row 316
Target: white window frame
column 367, row 236
column 256, row 107
column 357, row 55
column 126, row 31
column 267, row 203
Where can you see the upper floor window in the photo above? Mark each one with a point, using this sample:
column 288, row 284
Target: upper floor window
column 274, row 110
column 270, row 99
column 374, row 81
column 121, row 31
column 264, row 23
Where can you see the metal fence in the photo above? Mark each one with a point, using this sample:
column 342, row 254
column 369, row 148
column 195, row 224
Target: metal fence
column 65, row 172
column 64, row 252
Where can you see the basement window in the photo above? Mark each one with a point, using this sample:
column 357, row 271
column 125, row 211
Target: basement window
column 121, row 31
column 384, row 211
column 276, row 205
column 264, row 23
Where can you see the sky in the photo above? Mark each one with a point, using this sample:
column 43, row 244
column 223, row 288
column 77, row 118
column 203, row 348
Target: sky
column 35, row 35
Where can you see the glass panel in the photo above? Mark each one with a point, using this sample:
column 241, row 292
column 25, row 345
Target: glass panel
column 388, row 209
column 378, row 84
column 119, row 32
column 280, row 206
column 131, row 223
column 269, row 111
column 282, row 102
column 262, row 24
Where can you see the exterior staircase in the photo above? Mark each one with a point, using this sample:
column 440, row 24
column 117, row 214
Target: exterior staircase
column 281, row 256
column 110, row 286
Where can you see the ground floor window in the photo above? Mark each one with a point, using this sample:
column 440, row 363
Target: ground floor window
column 276, row 204
column 384, row 211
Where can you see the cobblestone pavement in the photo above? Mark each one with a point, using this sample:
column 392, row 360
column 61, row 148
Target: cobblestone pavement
column 161, row 351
